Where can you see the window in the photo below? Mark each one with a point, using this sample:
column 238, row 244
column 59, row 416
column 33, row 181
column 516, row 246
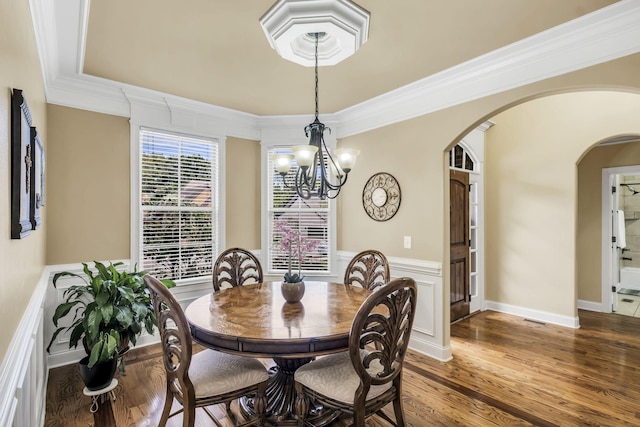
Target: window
column 308, row 217
column 460, row 159
column 178, row 205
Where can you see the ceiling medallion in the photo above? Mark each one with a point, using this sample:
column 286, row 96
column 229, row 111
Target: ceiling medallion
column 288, row 23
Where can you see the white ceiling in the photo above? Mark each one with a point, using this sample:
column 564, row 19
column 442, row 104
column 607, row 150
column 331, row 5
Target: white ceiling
column 423, row 55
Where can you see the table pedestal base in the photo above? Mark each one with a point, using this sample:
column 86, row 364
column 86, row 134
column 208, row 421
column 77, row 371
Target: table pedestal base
column 281, row 396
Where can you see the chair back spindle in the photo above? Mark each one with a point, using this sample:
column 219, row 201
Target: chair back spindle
column 235, row 267
column 369, row 269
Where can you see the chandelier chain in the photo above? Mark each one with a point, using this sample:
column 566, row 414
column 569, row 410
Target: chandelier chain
column 317, row 34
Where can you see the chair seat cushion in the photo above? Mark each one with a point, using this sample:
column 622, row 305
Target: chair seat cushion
column 213, row 372
column 334, row 377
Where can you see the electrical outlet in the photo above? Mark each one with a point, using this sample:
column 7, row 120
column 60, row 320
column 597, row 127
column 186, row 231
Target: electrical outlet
column 407, row 242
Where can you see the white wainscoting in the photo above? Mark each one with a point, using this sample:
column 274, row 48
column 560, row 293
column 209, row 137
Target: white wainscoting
column 24, row 370
column 427, row 335
column 60, row 354
column 23, row 374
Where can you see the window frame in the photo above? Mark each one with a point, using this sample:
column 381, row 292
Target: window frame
column 218, row 229
column 278, row 139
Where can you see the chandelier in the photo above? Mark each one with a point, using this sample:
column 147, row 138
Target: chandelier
column 320, row 173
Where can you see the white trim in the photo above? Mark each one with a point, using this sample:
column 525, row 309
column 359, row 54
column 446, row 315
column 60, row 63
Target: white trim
column 606, row 232
column 173, row 118
column 24, row 384
column 52, row 299
column 42, row 15
column 535, row 315
column 428, row 335
column 440, row 353
column 287, row 131
column 589, row 306
column 60, row 353
column 606, row 34
column 406, row 265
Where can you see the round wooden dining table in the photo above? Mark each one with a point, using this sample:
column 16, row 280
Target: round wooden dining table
column 256, row 321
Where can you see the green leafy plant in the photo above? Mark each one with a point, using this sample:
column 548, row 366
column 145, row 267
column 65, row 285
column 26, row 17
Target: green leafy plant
column 110, row 309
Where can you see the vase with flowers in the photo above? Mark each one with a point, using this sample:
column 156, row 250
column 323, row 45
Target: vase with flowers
column 296, row 247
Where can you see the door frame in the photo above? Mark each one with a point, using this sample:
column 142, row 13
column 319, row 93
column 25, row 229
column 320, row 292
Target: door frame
column 610, row 258
column 473, row 144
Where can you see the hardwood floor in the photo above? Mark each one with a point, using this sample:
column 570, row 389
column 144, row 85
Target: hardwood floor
column 506, row 371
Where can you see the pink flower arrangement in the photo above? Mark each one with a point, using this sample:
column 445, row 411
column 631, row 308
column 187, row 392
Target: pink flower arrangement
column 296, row 246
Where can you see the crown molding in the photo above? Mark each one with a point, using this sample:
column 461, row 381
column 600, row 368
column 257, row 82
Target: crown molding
column 606, row 34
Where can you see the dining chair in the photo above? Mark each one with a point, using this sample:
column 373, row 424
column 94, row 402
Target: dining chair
column 369, row 268
column 234, row 267
column 366, row 378
column 206, row 378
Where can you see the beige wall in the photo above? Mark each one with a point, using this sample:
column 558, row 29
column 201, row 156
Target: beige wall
column 88, row 186
column 414, row 151
column 88, row 197
column 531, row 193
column 243, row 193
column 21, row 261
column 589, row 239
column 416, row 171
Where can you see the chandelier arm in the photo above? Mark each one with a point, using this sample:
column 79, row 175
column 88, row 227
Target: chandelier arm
column 284, row 182
column 302, row 185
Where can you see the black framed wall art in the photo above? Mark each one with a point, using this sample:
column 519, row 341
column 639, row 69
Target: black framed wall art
column 21, row 164
column 36, row 197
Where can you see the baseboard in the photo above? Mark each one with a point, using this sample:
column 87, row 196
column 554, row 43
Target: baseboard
column 537, row 315
column 440, row 353
column 590, row 306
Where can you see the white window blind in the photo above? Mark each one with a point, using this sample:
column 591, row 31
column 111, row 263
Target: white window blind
column 179, row 205
column 310, row 218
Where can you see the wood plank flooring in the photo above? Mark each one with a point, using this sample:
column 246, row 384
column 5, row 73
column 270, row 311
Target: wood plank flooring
column 506, row 371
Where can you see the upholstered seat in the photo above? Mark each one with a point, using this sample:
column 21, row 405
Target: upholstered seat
column 369, row 269
column 334, row 377
column 215, row 373
column 363, row 380
column 234, row 267
column 205, row 378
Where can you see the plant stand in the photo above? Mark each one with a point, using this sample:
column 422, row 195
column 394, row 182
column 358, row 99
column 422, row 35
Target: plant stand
column 98, row 396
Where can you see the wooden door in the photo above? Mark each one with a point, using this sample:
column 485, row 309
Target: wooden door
column 459, row 243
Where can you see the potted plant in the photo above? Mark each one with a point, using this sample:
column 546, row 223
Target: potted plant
column 292, row 243
column 109, row 310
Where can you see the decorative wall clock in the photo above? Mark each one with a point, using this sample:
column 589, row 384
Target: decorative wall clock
column 381, row 196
